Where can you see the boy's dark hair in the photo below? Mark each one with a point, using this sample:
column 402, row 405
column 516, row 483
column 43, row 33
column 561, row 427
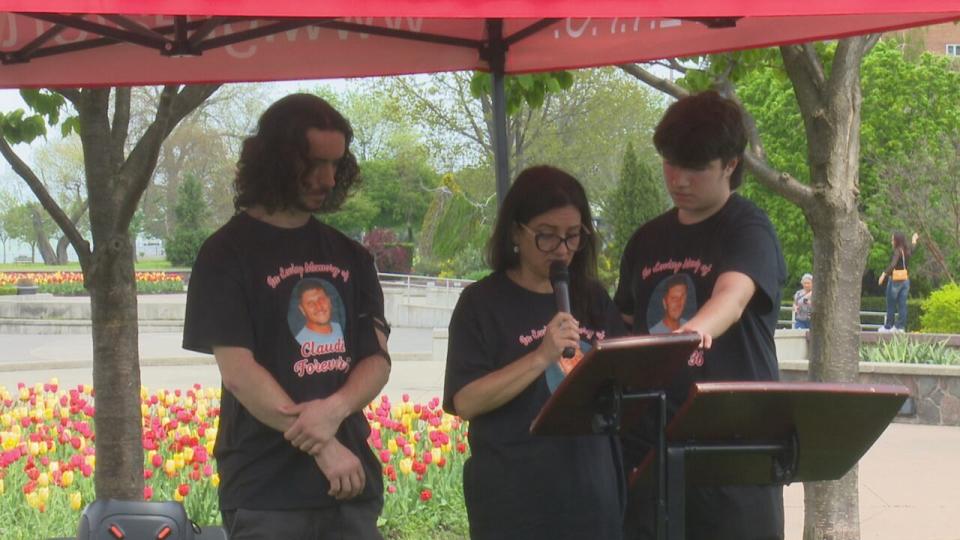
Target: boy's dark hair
column 701, row 128
column 538, row 190
column 275, row 159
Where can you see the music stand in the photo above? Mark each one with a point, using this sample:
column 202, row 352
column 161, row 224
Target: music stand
column 614, row 383
column 756, row 433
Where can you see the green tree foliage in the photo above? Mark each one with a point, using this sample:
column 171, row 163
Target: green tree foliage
column 639, row 197
column 941, row 311
column 191, row 230
column 905, row 103
column 454, row 233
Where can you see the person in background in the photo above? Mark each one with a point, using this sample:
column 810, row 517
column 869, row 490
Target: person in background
column 803, row 303
column 897, row 279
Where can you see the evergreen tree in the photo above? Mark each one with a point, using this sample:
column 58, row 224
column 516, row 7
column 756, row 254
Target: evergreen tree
column 639, row 197
column 191, row 230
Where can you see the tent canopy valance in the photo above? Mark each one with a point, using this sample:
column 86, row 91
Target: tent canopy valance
column 84, row 43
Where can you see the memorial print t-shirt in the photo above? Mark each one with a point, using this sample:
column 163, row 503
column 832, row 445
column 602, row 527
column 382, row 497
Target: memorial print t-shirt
column 518, row 485
column 303, row 300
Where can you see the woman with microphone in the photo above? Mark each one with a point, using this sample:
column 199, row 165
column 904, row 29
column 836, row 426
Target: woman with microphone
column 505, row 357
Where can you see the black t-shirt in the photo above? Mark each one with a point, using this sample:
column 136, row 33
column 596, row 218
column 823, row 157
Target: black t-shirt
column 664, row 254
column 245, row 291
column 517, row 485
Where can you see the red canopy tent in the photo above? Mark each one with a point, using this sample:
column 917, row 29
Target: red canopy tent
column 126, row 42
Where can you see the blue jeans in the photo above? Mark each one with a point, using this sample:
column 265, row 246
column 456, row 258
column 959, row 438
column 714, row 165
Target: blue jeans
column 897, row 292
column 801, row 325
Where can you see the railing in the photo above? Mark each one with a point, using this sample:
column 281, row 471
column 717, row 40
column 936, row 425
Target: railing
column 412, row 282
column 869, row 320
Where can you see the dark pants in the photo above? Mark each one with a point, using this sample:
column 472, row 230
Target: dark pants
column 897, row 292
column 348, row 521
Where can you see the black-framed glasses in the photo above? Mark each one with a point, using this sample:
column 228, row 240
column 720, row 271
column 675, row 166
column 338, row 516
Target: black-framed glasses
column 547, row 242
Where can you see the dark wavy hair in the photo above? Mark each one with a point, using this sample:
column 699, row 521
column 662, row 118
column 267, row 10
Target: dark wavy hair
column 701, row 128
column 900, row 242
column 535, row 191
column 275, row 159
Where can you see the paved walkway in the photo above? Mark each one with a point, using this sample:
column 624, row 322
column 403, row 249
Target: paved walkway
column 908, row 481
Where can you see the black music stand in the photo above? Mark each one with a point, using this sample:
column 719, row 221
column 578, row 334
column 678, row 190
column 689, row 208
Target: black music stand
column 614, row 385
column 757, row 433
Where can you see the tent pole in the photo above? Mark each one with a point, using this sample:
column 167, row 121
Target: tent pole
column 496, row 57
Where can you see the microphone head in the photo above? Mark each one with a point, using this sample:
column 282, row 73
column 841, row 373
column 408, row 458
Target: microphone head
column 559, row 272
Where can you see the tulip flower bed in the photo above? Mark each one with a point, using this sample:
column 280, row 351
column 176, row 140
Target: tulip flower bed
column 47, row 460
column 71, row 283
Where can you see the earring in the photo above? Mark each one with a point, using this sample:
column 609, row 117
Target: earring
column 516, row 248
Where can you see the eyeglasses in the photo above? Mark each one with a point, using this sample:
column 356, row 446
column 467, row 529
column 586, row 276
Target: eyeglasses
column 547, row 242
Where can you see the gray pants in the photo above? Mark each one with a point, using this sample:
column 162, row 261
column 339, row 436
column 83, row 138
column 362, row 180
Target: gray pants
column 348, row 521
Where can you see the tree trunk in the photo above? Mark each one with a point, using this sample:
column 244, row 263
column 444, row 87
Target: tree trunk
column 62, row 245
column 830, row 107
column 116, row 373
column 43, row 243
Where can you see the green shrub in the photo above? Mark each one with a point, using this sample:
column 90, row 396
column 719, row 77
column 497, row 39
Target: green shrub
column 941, row 311
column 901, row 349
column 7, row 290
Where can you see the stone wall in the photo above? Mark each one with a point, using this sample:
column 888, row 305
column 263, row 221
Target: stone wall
column 934, row 390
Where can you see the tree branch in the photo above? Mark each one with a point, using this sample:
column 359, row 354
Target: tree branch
column 667, row 87
column 140, row 164
column 71, row 94
column 121, row 123
column 80, row 244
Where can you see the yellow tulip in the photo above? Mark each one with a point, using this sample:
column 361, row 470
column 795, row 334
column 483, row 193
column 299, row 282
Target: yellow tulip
column 392, row 446
column 169, row 467
column 76, row 501
column 6, row 420
column 215, row 479
column 177, row 496
column 178, row 461
column 209, row 446
column 34, row 448
column 91, row 461
column 436, row 454
column 43, row 479
column 44, row 494
column 33, row 500
column 406, row 465
column 48, row 414
column 66, row 478
column 188, row 454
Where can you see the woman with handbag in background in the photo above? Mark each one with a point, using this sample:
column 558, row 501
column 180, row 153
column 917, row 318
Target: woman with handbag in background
column 898, row 284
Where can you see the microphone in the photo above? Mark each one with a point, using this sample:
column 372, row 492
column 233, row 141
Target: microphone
column 560, row 279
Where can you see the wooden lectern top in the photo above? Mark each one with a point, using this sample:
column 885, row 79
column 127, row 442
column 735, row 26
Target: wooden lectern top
column 634, row 363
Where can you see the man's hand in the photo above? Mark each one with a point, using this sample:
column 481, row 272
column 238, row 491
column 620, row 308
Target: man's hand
column 342, row 468
column 317, row 423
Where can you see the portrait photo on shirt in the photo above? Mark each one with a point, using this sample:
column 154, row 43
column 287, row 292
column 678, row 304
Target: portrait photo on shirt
column 672, row 303
column 316, row 313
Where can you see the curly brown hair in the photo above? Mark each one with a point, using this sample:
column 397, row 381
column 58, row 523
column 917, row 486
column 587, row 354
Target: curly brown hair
column 275, row 159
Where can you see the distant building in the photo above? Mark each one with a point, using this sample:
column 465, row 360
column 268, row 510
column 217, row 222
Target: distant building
column 942, row 39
